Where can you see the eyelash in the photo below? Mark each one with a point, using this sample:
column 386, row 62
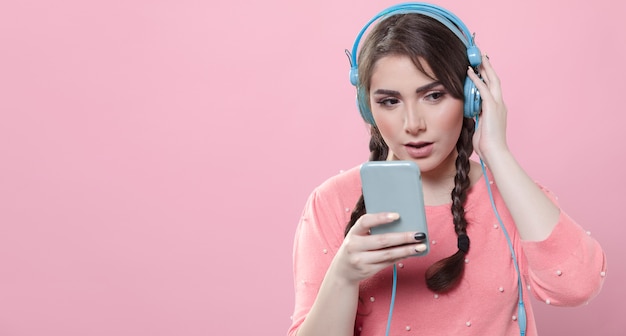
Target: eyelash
column 387, row 102
column 441, row 94
column 431, row 96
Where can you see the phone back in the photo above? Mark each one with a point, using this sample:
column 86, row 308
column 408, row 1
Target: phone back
column 395, row 186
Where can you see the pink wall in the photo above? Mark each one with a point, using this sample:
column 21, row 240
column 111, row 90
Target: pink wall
column 155, row 155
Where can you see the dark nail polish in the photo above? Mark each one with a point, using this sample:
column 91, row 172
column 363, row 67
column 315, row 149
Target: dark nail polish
column 420, row 236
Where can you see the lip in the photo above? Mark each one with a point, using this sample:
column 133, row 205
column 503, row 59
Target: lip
column 418, row 150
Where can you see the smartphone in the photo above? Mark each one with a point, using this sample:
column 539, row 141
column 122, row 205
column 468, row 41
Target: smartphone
column 395, row 186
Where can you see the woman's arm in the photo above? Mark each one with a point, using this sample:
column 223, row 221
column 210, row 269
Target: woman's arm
column 327, row 290
column 564, row 265
column 533, row 212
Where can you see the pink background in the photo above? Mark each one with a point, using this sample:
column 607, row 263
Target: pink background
column 155, row 155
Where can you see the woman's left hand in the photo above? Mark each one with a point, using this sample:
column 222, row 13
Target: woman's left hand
column 490, row 136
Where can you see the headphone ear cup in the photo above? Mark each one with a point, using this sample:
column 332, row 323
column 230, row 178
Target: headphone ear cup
column 474, row 56
column 354, row 73
column 364, row 108
column 471, row 105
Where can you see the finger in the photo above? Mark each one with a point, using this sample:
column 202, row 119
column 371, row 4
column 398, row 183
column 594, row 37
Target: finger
column 485, row 93
column 368, row 221
column 491, row 78
column 489, row 71
column 394, row 254
column 387, row 240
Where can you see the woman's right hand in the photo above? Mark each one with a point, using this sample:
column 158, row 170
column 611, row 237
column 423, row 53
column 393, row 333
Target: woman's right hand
column 362, row 254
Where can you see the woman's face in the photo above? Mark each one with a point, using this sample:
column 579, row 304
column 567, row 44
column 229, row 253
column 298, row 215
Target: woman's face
column 416, row 116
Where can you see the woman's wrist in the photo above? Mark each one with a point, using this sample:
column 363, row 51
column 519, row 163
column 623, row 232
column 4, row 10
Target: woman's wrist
column 339, row 277
column 494, row 156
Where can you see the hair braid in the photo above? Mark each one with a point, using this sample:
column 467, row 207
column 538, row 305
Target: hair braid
column 445, row 274
column 378, row 152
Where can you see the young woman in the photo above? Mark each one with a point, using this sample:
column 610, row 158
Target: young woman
column 411, row 73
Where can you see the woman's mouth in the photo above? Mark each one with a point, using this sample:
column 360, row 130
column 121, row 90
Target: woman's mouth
column 418, row 150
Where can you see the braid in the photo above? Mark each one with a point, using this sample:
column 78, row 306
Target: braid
column 445, row 274
column 378, row 152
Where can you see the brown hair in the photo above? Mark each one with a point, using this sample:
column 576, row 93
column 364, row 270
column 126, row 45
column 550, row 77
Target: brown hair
column 420, row 37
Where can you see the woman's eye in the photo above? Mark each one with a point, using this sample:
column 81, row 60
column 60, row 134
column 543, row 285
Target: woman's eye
column 435, row 95
column 388, row 101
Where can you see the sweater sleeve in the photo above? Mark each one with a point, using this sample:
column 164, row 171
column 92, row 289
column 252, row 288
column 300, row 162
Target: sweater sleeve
column 318, row 237
column 568, row 267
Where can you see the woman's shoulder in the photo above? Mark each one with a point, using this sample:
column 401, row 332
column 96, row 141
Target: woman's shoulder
column 336, row 196
column 346, row 182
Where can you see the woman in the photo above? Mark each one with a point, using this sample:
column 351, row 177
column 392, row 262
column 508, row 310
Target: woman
column 413, row 69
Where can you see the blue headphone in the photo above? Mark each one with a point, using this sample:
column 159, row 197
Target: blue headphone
column 472, row 101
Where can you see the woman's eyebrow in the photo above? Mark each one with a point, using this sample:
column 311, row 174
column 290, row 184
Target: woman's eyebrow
column 420, row 89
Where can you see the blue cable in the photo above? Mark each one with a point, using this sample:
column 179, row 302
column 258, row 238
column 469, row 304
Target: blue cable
column 393, row 298
column 521, row 311
column 521, row 314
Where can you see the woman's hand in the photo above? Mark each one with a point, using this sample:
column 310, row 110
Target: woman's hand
column 490, row 136
column 362, row 255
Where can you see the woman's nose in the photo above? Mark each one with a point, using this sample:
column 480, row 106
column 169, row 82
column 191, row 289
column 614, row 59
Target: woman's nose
column 413, row 121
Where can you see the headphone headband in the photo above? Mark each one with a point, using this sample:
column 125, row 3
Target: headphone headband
column 445, row 17
column 440, row 14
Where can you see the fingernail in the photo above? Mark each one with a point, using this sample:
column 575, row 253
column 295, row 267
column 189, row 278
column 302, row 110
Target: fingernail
column 420, row 248
column 420, row 236
column 486, row 56
column 393, row 215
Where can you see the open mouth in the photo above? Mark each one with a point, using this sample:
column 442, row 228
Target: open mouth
column 418, row 144
column 418, row 150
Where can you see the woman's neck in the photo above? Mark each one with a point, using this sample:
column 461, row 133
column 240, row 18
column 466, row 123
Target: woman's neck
column 438, row 183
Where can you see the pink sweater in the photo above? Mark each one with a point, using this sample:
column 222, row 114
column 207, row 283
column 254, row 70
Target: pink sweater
column 566, row 269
